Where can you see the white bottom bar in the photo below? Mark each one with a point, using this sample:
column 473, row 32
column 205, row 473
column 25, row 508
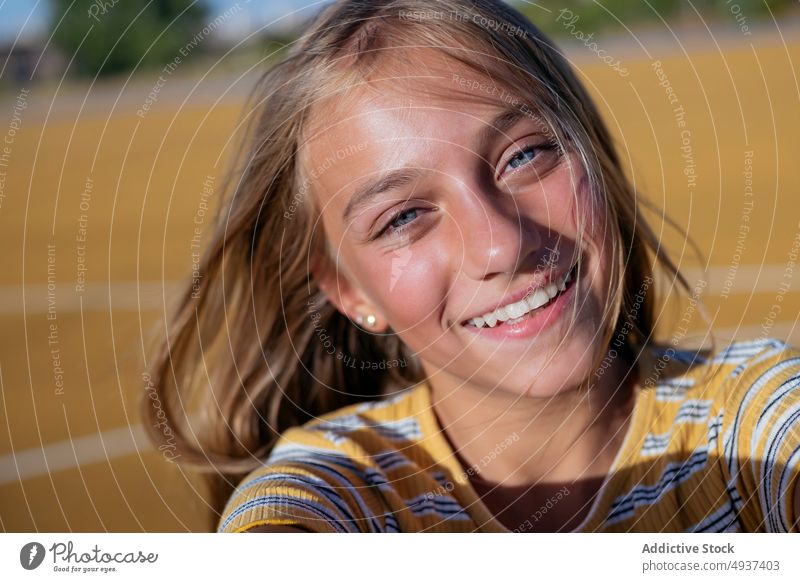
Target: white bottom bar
column 333, row 557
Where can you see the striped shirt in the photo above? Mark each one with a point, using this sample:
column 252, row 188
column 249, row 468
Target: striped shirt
column 713, row 445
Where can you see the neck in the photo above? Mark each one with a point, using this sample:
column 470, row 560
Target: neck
column 518, row 440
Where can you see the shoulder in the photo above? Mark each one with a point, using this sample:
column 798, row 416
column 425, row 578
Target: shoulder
column 746, row 384
column 735, row 382
column 765, row 372
column 701, row 395
column 322, row 476
column 679, row 374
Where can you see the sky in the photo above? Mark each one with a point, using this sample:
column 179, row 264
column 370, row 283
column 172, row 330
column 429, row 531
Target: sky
column 31, row 17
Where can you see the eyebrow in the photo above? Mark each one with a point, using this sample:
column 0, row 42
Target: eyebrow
column 395, row 179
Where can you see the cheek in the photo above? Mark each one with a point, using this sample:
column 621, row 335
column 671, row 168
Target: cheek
column 574, row 213
column 409, row 284
column 560, row 201
column 581, row 216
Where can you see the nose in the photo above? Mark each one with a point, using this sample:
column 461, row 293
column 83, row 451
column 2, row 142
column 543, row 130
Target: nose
column 498, row 237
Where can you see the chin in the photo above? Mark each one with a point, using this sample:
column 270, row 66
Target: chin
column 554, row 373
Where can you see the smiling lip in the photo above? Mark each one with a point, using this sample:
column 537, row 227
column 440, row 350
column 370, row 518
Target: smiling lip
column 545, row 280
column 532, row 323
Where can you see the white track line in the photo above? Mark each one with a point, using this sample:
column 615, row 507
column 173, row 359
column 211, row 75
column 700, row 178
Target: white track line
column 59, row 456
column 117, row 296
column 739, row 280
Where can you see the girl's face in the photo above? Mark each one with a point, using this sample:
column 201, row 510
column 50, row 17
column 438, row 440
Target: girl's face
column 439, row 210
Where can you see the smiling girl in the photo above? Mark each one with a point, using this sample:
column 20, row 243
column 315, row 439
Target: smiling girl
column 429, row 306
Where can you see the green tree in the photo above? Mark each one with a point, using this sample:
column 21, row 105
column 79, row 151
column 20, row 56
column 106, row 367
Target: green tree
column 112, row 36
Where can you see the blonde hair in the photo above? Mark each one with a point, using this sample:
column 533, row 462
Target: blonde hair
column 240, row 358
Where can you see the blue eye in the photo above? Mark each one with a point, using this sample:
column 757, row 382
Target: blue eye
column 398, row 220
column 523, row 157
column 405, row 219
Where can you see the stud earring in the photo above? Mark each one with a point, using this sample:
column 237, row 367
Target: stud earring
column 370, row 320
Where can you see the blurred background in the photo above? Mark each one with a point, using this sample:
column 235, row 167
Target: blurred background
column 116, row 122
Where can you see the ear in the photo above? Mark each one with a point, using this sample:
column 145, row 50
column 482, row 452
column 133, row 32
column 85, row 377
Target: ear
column 342, row 291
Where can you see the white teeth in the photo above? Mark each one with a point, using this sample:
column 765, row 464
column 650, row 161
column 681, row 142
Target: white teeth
column 539, row 298
column 501, row 313
column 513, row 312
column 516, row 310
column 551, row 290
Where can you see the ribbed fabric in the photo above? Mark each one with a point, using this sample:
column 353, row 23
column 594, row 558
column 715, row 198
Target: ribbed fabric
column 713, row 445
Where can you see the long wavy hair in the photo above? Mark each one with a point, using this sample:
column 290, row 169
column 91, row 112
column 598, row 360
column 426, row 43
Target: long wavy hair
column 243, row 359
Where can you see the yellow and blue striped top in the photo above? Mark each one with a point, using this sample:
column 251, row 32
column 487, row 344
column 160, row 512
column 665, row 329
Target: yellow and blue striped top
column 713, row 445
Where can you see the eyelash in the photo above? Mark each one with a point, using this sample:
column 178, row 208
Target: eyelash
column 524, row 149
column 390, row 230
